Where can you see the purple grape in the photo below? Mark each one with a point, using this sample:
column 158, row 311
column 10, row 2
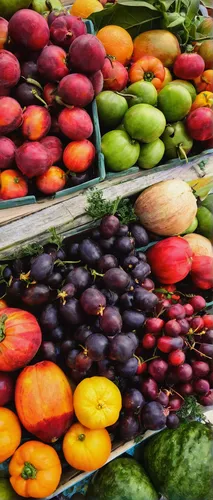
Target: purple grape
column 41, row 267
column 206, row 349
column 57, row 334
column 184, row 372
column 71, row 312
column 36, row 295
column 127, row 369
column 61, row 254
column 172, row 421
column 48, row 351
column 54, row 280
column 126, row 300
column 162, row 398
column 128, row 427
column 130, row 262
column 133, row 401
column 71, row 358
column 90, row 252
column 77, row 179
column 201, row 386
column 124, row 245
column 144, row 300
column 105, row 369
column 49, row 318
column 208, row 337
column 107, row 245
column 96, row 234
column 158, row 369
column 141, row 271
column 73, row 251
column 82, row 362
column 134, row 338
column 111, row 297
column 15, row 290
column 97, row 346
column 79, row 277
column 149, row 388
column 200, row 369
column 82, row 333
column 140, row 235
column 93, row 301
column 153, row 417
column 141, row 256
column 67, row 346
column 184, row 324
column 121, row 348
column 116, row 279
column 132, row 320
column 67, row 292
column 109, row 226
column 123, row 230
column 106, row 262
column 111, row 321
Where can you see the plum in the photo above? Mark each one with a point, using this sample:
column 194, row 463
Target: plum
column 9, row 69
column 36, row 123
column 76, row 90
column 97, row 80
column 52, row 63
column 33, row 159
column 115, row 75
column 64, row 29
column 10, row 115
column 75, row 123
column 54, row 146
column 7, row 153
column 87, row 54
column 3, row 32
column 29, row 29
column 29, row 69
column 54, row 14
column 27, row 94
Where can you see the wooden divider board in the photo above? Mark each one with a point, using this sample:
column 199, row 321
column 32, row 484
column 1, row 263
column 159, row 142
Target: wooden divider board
column 30, row 223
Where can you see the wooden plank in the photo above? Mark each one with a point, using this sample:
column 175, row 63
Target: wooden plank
column 70, row 213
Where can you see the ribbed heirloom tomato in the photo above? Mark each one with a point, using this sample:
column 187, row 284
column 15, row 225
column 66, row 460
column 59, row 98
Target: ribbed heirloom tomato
column 10, row 433
column 149, row 69
column 97, row 402
column 86, row 449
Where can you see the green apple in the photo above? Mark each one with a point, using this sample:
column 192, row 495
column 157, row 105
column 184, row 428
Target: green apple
column 205, row 222
column 9, row 7
column 42, row 6
column 192, row 227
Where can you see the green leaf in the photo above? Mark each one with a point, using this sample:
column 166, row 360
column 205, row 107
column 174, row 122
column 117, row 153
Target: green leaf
column 177, row 22
column 135, row 18
column 192, row 11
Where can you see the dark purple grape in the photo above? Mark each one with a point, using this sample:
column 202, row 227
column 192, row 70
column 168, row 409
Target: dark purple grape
column 16, row 289
column 162, row 398
column 133, row 401
column 67, row 346
column 36, row 295
column 208, row 337
column 127, row 369
column 132, row 320
column 116, row 279
column 111, row 297
column 149, row 388
column 57, row 334
column 111, row 321
column 41, row 267
column 27, row 94
column 93, row 302
column 134, row 338
column 121, row 348
column 140, row 235
column 71, row 358
column 172, row 421
column 82, row 333
column 49, row 318
column 135, row 381
column 152, row 416
column 64, row 270
column 128, row 427
column 130, row 262
column 124, row 245
column 109, row 226
column 77, row 376
column 144, row 300
column 141, row 271
column 184, row 324
column 20, row 266
column 184, row 372
column 77, row 179
column 97, row 346
column 82, row 362
column 96, row 234
column 61, row 254
column 29, row 70
column 206, row 349
column 73, row 251
column 126, row 300
column 67, row 292
column 90, row 252
column 7, row 273
column 71, row 312
column 80, row 277
column 148, row 284
column 158, row 369
column 54, row 280
column 201, row 386
column 107, row 245
column 141, row 256
column 105, row 369
column 51, row 249
column 48, row 351
column 106, row 262
column 123, row 230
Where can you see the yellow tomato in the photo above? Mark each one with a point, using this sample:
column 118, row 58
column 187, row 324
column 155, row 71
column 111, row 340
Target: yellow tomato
column 204, row 99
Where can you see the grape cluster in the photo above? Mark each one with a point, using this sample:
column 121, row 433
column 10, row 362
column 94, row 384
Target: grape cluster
column 101, row 314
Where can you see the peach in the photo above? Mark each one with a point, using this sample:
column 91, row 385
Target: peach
column 3, row 32
column 30, row 29
column 7, row 153
column 10, row 115
column 52, row 181
column 65, row 29
column 10, row 71
column 115, row 75
column 76, row 90
column 87, row 54
column 75, row 123
column 97, row 80
column 33, row 159
column 52, row 63
column 79, row 155
column 36, row 123
column 199, row 124
column 54, row 146
column 12, row 185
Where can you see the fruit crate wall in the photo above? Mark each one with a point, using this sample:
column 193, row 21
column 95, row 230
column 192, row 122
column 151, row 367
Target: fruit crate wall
column 99, row 161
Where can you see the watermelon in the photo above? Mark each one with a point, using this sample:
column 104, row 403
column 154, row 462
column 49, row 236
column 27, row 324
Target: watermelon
column 180, row 462
column 121, row 479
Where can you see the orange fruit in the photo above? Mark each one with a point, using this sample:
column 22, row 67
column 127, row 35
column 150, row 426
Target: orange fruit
column 158, row 43
column 84, row 8
column 117, row 42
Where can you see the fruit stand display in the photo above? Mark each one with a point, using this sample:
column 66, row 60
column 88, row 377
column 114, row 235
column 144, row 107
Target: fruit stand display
column 106, row 305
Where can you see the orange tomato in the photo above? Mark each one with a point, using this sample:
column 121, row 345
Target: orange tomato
column 35, row 470
column 10, row 433
column 12, row 185
column 204, row 99
column 86, row 449
column 149, row 69
column 97, row 402
column 205, row 81
column 117, row 43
